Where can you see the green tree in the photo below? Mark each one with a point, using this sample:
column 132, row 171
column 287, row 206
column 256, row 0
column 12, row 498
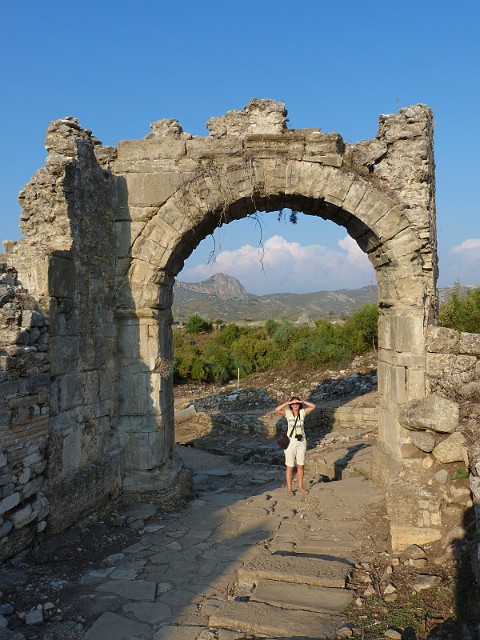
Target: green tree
column 461, row 312
column 361, row 329
column 197, row 324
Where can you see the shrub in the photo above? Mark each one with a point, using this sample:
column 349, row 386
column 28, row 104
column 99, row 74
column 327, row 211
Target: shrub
column 285, row 334
column 461, row 312
column 361, row 329
column 197, row 324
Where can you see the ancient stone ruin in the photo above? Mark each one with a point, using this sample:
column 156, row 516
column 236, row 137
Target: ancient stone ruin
column 86, row 403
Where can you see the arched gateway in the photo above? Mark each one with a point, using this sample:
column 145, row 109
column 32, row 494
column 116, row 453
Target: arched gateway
column 175, row 190
column 108, row 230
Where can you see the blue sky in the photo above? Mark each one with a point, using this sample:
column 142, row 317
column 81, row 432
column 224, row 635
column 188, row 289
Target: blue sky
column 337, row 65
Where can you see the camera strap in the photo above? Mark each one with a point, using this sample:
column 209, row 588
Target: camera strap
column 294, row 426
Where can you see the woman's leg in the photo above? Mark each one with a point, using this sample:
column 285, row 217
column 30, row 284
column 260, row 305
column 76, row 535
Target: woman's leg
column 289, row 479
column 300, row 474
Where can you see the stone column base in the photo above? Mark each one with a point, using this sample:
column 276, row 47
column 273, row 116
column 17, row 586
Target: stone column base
column 170, row 482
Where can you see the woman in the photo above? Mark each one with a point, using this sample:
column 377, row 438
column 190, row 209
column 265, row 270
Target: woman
column 295, row 415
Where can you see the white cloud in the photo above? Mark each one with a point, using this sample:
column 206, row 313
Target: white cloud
column 464, row 264
column 468, row 249
column 289, row 266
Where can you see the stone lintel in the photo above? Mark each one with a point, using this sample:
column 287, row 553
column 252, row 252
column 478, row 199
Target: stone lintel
column 154, row 148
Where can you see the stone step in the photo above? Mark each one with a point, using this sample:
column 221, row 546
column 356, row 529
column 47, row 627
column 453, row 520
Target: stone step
column 293, row 568
column 338, row 548
column 266, row 620
column 301, row 596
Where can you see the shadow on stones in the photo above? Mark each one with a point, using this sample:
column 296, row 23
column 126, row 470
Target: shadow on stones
column 465, row 623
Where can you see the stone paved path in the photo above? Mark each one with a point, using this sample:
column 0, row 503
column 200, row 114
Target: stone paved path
column 242, row 560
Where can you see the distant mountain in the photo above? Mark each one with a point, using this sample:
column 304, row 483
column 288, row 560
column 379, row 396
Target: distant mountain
column 219, row 285
column 223, row 297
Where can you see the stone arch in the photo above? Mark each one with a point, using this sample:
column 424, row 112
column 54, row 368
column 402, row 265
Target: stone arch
column 269, row 175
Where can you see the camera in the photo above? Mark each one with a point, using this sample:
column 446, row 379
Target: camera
column 299, row 437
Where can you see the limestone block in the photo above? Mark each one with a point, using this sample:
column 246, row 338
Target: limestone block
column 72, row 450
column 70, row 391
column 9, row 502
column 125, row 234
column 404, row 536
column 403, row 245
column 451, row 449
column 132, row 151
column 433, row 412
column 409, row 333
column 64, row 354
column 137, row 424
column 144, row 450
column 61, row 275
column 32, row 487
column 274, row 145
column 22, row 517
column 33, row 457
column 438, row 364
column 423, row 440
column 442, row 340
column 213, row 148
column 416, row 386
column 135, row 391
column 470, row 343
column 41, row 506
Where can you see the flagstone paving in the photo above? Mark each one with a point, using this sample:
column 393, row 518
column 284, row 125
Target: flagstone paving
column 242, row 560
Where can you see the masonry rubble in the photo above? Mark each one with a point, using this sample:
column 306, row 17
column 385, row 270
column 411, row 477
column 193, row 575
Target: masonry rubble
column 107, row 230
column 24, row 410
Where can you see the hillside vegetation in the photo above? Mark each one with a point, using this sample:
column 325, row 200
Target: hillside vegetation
column 215, row 352
column 208, row 353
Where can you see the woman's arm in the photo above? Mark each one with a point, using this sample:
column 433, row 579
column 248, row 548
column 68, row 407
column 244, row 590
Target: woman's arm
column 309, row 406
column 281, row 407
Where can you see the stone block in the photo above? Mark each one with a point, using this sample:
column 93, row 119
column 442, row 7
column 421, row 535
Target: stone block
column 452, row 449
column 423, row 440
column 72, row 450
column 404, row 536
column 433, row 412
column 144, row 450
column 64, row 354
column 70, row 391
column 442, row 340
column 470, row 344
column 32, row 487
column 135, row 394
column 61, row 275
column 23, row 516
column 132, row 151
column 9, row 502
column 33, row 318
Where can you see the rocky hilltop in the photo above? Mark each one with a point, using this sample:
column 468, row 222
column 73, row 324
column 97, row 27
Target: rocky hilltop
column 219, row 285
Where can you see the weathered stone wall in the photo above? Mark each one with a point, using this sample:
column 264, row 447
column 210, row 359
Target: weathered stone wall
column 434, row 500
column 67, row 261
column 24, row 415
